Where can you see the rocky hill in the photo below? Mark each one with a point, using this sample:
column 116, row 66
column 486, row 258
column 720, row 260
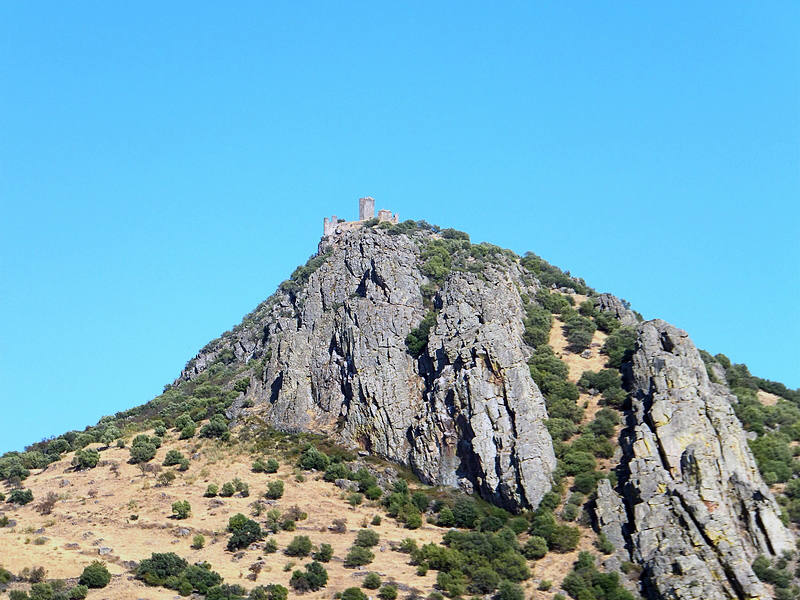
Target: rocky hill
column 619, row 445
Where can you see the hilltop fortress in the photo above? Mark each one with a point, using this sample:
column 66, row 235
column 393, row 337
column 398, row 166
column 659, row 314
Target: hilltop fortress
column 366, row 212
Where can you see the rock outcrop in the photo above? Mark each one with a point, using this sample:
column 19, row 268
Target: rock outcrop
column 616, row 307
column 696, row 509
column 335, row 361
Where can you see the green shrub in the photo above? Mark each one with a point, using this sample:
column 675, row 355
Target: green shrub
column 227, row 490
column 198, row 542
column 535, row 547
column 417, row 339
column 95, row 575
column 353, row 593
column 465, row 513
column 446, row 518
column 585, row 582
column 324, row 554
column 367, row 538
column 188, row 431
column 79, row 592
column 181, row 509
column 313, row 578
column 619, row 346
column 585, row 482
column 578, row 332
column 313, row 459
column 299, row 546
column 86, row 459
column 274, row 490
column 269, row 592
column 509, row 591
column 387, row 592
column 217, row 427
column 160, row 566
column 143, row 449
column 212, row 490
column 372, row 581
column 173, row 457
column 20, row 496
column 244, row 532
column 358, row 556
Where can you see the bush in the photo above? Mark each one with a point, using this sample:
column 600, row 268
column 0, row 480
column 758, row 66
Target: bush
column 372, row 581
column 217, row 427
column 509, row 591
column 271, row 592
column 227, row 490
column 446, row 518
column 313, row 578
column 535, row 547
column 95, row 575
column 198, row 542
column 79, row 592
column 20, row 496
column 465, row 513
column 355, row 499
column 324, row 554
column 173, row 457
column 244, row 532
column 387, row 592
column 358, row 556
column 619, row 346
column 270, row 546
column 564, row 538
column 313, row 459
column 142, row 450
column 188, row 431
column 417, row 339
column 578, row 331
column 86, row 459
column 353, row 593
column 584, row 482
column 299, row 546
column 585, row 582
column 181, row 509
column 367, row 538
column 156, row 569
column 212, row 490
column 274, row 490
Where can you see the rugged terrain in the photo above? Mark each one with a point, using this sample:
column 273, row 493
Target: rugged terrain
column 472, row 371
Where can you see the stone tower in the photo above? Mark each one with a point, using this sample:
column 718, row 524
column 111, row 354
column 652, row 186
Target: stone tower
column 366, row 208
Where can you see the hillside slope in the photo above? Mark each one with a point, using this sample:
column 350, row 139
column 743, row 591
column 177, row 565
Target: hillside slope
column 615, row 440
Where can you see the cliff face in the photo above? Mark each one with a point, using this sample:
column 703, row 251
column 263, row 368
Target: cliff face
column 327, row 353
column 693, row 509
column 465, row 413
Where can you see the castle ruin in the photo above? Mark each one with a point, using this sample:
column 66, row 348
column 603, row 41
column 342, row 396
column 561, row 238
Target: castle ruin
column 366, row 212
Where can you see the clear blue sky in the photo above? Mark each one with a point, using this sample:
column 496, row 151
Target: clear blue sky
column 163, row 166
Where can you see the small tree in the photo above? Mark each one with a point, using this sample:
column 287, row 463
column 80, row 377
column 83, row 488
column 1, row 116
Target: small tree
column 198, row 542
column 324, row 554
column 20, row 496
column 353, row 593
column 95, row 575
column 387, row 592
column 358, row 556
column 173, row 457
column 274, row 490
column 367, row 538
column 86, row 459
column 299, row 546
column 211, row 490
column 372, row 581
column 181, row 509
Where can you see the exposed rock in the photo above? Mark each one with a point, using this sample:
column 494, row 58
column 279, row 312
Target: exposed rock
column 698, row 512
column 346, row 484
column 104, row 550
column 611, row 304
column 336, row 362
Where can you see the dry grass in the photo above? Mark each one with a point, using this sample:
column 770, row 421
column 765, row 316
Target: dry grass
column 105, row 521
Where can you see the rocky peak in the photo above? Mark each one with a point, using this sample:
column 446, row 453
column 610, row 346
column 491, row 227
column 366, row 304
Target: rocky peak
column 697, row 512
